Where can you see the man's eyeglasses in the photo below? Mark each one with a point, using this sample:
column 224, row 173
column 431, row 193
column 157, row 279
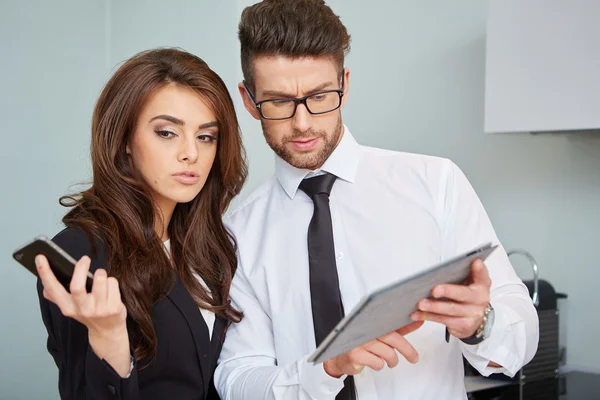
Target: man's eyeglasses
column 284, row 108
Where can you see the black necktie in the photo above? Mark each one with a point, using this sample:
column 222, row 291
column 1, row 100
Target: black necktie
column 326, row 303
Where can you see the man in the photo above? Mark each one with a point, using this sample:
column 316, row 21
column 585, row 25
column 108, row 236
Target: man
column 339, row 220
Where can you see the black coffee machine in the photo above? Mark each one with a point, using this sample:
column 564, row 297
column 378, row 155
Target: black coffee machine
column 539, row 379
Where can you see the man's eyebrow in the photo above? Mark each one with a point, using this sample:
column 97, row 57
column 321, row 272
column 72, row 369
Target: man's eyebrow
column 277, row 93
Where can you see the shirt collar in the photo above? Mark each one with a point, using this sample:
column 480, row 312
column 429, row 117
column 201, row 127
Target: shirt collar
column 342, row 163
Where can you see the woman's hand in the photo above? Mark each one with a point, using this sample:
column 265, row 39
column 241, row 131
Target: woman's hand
column 102, row 311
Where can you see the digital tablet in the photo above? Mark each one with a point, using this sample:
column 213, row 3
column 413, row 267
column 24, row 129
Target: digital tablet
column 389, row 307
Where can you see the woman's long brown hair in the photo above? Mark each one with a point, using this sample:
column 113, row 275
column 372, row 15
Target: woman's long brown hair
column 118, row 209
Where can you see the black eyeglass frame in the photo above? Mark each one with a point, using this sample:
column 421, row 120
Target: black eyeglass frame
column 297, row 101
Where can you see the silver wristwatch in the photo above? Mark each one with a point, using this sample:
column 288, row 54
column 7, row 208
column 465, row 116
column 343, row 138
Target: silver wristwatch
column 485, row 329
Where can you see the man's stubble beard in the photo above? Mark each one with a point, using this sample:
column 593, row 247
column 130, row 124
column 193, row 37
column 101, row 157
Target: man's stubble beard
column 311, row 160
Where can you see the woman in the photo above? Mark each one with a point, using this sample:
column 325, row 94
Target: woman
column 167, row 160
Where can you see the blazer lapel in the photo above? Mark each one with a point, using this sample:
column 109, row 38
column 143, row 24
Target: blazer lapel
column 186, row 305
column 216, row 343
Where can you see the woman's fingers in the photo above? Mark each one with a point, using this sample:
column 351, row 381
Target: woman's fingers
column 54, row 291
column 79, row 278
column 101, row 311
column 100, row 288
column 115, row 303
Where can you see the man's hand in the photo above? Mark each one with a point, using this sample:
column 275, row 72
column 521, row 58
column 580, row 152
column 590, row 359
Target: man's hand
column 375, row 354
column 463, row 310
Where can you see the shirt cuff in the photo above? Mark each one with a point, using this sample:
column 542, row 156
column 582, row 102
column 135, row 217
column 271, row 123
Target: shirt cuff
column 499, row 347
column 316, row 382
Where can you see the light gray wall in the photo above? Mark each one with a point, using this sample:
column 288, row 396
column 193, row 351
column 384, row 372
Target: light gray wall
column 417, row 74
column 53, row 67
column 203, row 27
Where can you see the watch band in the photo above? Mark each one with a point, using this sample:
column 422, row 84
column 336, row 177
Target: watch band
column 478, row 336
column 473, row 340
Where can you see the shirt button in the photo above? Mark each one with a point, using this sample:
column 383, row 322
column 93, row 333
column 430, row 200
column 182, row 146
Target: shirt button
column 340, row 256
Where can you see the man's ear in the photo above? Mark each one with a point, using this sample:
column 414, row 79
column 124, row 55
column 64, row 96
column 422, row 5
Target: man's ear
column 248, row 103
column 346, row 75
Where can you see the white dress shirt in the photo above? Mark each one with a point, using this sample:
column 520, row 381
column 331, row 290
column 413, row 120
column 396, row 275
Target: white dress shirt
column 394, row 214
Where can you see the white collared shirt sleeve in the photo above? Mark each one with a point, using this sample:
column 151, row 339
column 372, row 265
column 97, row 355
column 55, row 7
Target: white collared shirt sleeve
column 515, row 333
column 248, row 367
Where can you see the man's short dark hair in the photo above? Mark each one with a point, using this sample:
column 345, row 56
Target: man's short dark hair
column 291, row 28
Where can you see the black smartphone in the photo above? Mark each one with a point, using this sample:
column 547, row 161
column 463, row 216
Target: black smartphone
column 61, row 263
